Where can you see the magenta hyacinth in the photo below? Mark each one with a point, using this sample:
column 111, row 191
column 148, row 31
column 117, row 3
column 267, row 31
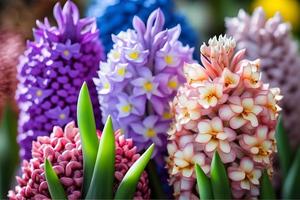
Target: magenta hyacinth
column 224, row 106
column 52, row 70
column 63, row 149
column 140, row 77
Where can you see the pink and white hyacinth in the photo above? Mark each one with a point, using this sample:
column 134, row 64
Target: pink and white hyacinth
column 225, row 107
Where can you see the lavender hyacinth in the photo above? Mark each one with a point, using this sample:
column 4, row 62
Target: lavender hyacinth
column 140, row 77
column 51, row 72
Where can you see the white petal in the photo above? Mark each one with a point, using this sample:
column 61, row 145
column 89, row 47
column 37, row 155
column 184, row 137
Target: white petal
column 211, row 146
column 224, row 146
column 204, row 127
column 237, row 175
column 203, row 138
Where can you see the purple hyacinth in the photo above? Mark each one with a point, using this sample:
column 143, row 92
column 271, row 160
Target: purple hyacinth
column 140, row 77
column 52, row 70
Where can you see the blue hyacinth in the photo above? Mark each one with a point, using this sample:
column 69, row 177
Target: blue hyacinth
column 114, row 16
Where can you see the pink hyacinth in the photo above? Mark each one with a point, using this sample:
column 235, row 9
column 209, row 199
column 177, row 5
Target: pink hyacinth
column 63, row 149
column 224, row 107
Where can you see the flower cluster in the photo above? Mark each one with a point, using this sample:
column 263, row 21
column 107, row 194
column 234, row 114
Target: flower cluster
column 52, row 71
column 140, row 77
column 271, row 41
column 224, row 107
column 112, row 23
column 63, row 150
column 11, row 47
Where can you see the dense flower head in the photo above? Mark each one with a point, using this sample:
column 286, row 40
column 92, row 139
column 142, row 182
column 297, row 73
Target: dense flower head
column 224, row 106
column 11, row 47
column 140, row 77
column 112, row 23
column 271, row 41
column 52, row 70
column 63, row 149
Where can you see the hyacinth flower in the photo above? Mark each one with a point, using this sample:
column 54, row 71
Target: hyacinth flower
column 140, row 77
column 52, row 71
column 11, row 47
column 72, row 164
column 112, row 23
column 271, row 41
column 223, row 107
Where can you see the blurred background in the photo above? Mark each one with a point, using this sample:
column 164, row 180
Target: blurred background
column 207, row 17
column 17, row 19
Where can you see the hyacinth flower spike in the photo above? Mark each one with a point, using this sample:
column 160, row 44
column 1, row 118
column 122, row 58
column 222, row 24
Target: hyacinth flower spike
column 223, row 107
column 271, row 40
column 110, row 23
column 141, row 76
column 82, row 164
column 51, row 72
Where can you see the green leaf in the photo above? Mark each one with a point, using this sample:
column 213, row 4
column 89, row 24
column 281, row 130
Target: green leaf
column 8, row 149
column 284, row 149
column 89, row 138
column 55, row 188
column 291, row 184
column 101, row 186
column 266, row 188
column 128, row 185
column 219, row 180
column 203, row 183
column 157, row 191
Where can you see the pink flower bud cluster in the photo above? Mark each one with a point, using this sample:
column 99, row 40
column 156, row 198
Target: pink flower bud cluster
column 225, row 107
column 63, row 150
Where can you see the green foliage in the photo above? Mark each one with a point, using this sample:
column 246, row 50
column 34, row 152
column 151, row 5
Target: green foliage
column 219, row 179
column 128, row 185
column 203, row 183
column 291, row 184
column 55, row 188
column 89, row 139
column 8, row 150
column 266, row 189
column 101, row 186
column 284, row 149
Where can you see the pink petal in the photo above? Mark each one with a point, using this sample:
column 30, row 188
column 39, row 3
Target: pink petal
column 226, row 113
column 211, row 146
column 237, row 122
column 224, row 146
column 237, row 175
column 204, row 127
column 217, row 124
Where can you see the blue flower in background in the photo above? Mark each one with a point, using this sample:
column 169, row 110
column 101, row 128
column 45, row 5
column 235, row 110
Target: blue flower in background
column 114, row 16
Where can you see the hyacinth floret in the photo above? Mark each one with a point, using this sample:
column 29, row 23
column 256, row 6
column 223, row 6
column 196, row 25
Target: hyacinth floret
column 52, row 70
column 140, row 77
column 63, row 149
column 271, row 40
column 224, row 106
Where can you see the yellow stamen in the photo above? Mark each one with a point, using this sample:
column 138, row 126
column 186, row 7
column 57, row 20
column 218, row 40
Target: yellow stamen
column 172, row 84
column 150, row 133
column 134, row 55
column 148, row 86
column 39, row 93
column 167, row 115
column 62, row 116
column 66, row 52
column 106, row 86
column 126, row 108
column 169, row 59
column 121, row 71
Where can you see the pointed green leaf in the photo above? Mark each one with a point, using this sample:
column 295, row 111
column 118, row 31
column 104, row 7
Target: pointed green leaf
column 157, row 191
column 89, row 139
column 101, row 186
column 8, row 149
column 266, row 188
column 291, row 184
column 219, row 179
column 55, row 188
column 203, row 183
column 284, row 149
column 128, row 185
